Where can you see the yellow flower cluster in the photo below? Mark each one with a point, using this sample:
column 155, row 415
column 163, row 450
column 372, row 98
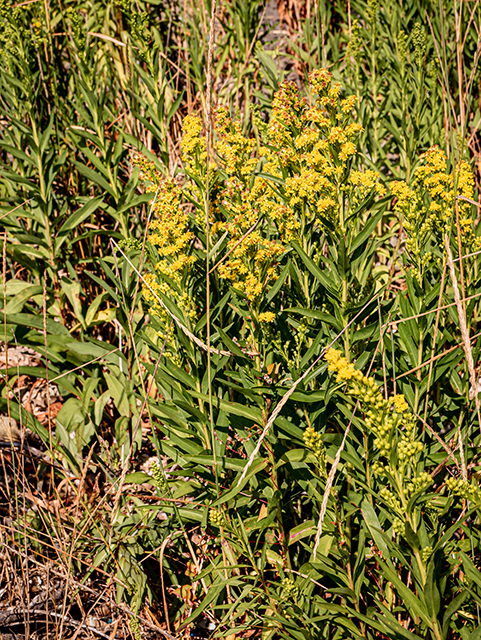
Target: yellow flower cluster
column 193, row 143
column 147, row 170
column 399, row 403
column 389, row 420
column 299, row 181
column 312, row 148
column 170, row 234
column 252, row 263
column 464, row 489
column 169, row 230
column 362, row 184
column 234, row 149
column 394, row 429
column 309, row 149
column 244, row 202
column 267, row 317
column 428, row 205
column 313, row 441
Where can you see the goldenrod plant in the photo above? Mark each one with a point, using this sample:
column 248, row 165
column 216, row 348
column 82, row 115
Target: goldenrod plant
column 427, row 206
column 262, row 367
column 275, row 202
column 331, row 487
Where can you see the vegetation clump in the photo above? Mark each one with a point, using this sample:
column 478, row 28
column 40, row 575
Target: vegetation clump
column 240, row 321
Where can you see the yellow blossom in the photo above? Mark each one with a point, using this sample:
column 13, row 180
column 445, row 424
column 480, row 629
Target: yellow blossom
column 400, row 404
column 377, row 411
column 267, row 316
column 192, row 141
column 428, row 205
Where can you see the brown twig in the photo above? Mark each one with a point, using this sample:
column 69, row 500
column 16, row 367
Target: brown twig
column 161, row 558
column 427, row 313
column 433, row 359
column 17, row 207
column 66, row 373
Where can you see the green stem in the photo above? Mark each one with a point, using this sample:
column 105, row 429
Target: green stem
column 418, row 375
column 345, row 320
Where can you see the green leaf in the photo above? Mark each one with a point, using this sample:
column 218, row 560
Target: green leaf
column 471, row 571
column 16, row 304
column 231, row 407
column 274, row 290
column 118, row 393
column 452, row 608
column 367, row 229
column 138, row 478
column 230, row 344
column 411, row 536
column 431, row 591
column 29, row 320
column 374, row 527
column 301, row 531
column 414, row 605
column 80, row 215
column 257, row 466
column 92, row 310
column 99, row 407
column 73, row 291
column 391, row 625
column 324, row 279
column 95, row 177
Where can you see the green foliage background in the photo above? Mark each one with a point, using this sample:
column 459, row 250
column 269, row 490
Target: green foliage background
column 83, row 88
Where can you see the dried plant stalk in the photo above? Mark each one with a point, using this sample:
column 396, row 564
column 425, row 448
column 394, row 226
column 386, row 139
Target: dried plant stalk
column 466, row 345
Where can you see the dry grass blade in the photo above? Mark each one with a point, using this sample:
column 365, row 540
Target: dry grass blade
column 330, row 480
column 476, row 204
column 82, row 366
column 208, row 116
column 288, row 394
column 394, row 323
column 109, row 38
column 466, row 343
column 161, row 558
column 15, row 208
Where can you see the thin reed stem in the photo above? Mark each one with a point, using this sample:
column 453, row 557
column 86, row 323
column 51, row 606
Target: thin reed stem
column 208, row 117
